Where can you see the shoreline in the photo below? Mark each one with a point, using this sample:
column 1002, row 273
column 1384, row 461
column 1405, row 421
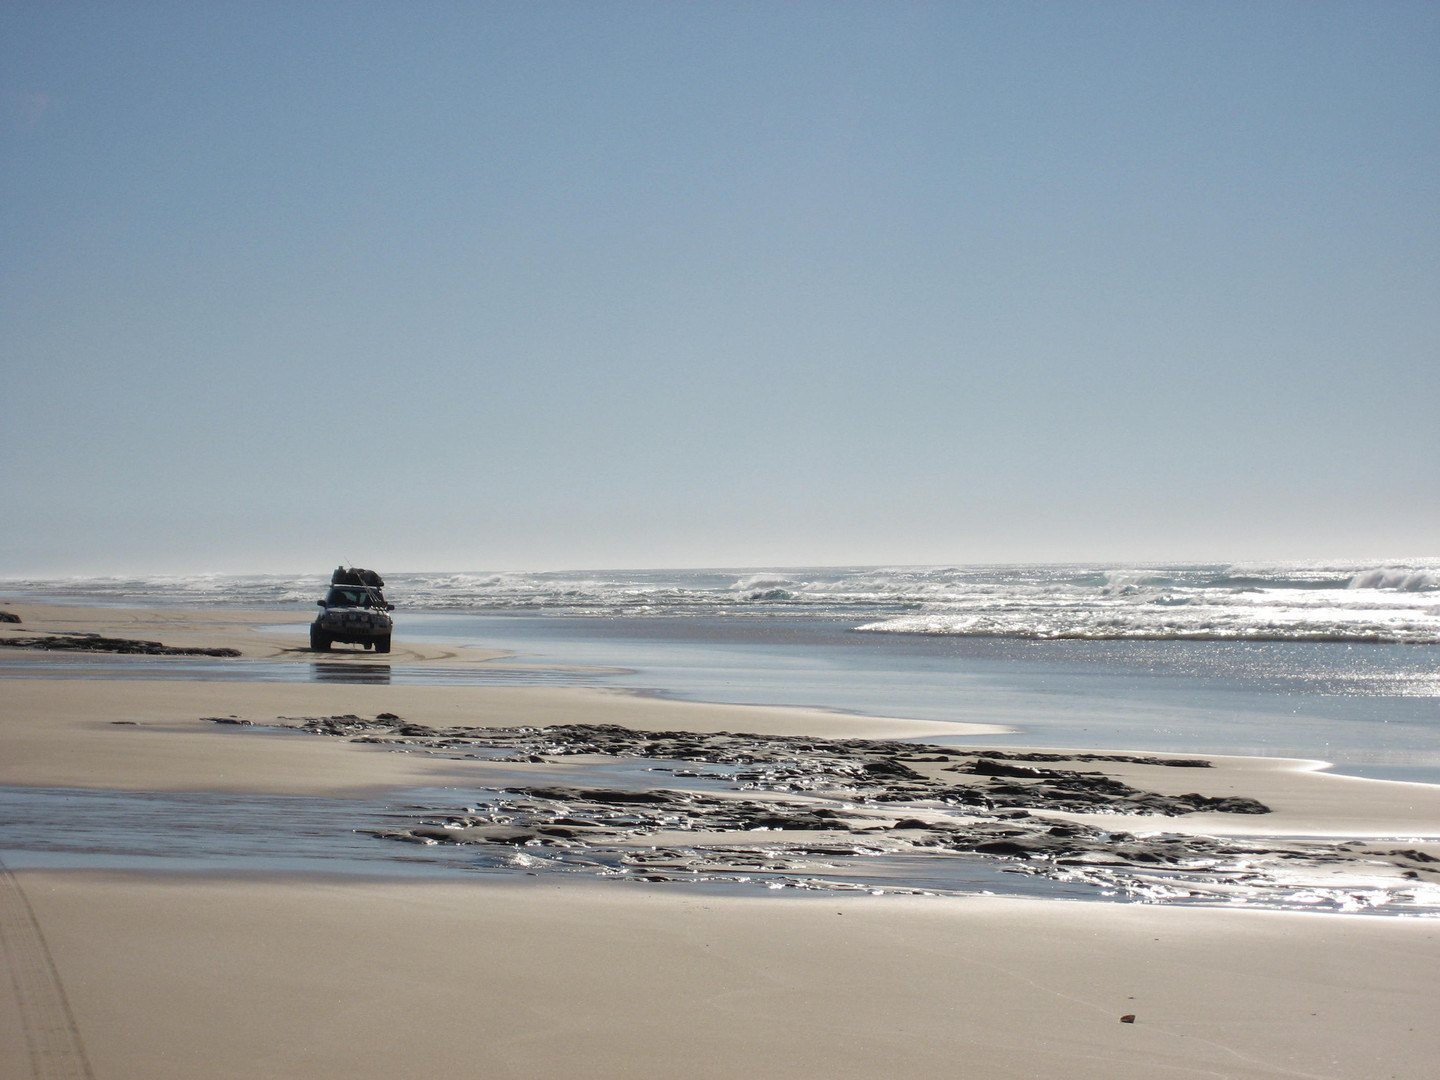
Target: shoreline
column 67, row 732
column 252, row 975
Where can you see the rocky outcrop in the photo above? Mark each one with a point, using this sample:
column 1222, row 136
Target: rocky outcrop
column 101, row 644
column 812, row 813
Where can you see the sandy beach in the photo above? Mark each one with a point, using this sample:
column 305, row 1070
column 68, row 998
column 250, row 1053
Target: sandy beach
column 123, row 974
column 754, row 541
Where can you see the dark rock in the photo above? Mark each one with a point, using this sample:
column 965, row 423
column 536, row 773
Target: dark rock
column 97, row 643
column 9, row 616
column 890, row 769
column 1128, row 759
column 964, row 796
column 599, row 795
column 1415, row 856
column 443, row 836
column 1003, row 847
column 989, row 767
column 1228, row 805
column 600, row 827
column 808, row 822
column 1140, row 854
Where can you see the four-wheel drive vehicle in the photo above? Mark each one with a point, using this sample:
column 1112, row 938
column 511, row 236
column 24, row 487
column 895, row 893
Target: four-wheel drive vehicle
column 354, row 612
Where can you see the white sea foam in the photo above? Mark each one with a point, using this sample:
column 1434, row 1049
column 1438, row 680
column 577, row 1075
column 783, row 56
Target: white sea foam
column 1392, row 602
column 764, row 587
column 1396, row 577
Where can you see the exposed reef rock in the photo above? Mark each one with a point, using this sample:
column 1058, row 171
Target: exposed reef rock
column 803, row 812
column 870, row 770
column 100, row 644
column 1067, row 789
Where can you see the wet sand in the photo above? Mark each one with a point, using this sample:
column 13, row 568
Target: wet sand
column 173, row 975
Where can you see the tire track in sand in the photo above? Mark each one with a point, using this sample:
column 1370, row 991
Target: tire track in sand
column 51, row 1037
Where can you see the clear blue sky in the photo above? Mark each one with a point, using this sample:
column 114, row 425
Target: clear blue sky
column 564, row 285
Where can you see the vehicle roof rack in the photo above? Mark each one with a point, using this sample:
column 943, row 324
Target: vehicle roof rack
column 352, row 575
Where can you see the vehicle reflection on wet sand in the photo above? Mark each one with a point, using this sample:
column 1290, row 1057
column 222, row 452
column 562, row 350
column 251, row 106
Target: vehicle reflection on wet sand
column 352, row 674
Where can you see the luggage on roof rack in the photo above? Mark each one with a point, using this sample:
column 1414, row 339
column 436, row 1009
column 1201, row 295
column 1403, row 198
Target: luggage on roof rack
column 355, row 576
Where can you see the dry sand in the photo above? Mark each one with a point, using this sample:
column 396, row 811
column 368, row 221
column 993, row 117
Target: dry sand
column 151, row 976
column 197, row 978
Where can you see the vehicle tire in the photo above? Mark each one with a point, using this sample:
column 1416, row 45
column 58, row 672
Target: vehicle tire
column 319, row 641
column 382, row 644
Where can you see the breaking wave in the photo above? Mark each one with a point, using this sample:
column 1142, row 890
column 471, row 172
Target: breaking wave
column 1392, row 577
column 764, row 587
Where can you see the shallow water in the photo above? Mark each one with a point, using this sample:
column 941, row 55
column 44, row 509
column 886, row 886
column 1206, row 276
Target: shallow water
column 354, row 671
column 1373, row 709
column 209, row 833
column 206, row 832
column 1358, row 705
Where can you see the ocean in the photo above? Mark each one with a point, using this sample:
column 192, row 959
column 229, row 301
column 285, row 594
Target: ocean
column 1352, row 603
